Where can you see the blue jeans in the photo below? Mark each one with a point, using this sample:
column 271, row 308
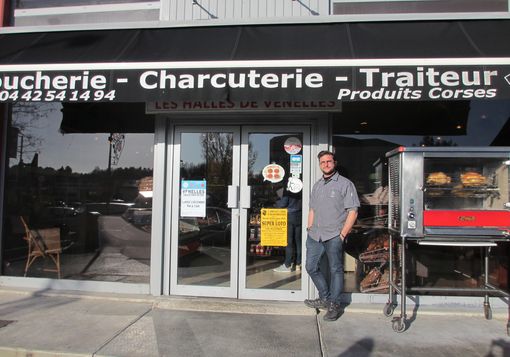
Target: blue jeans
column 293, row 238
column 333, row 248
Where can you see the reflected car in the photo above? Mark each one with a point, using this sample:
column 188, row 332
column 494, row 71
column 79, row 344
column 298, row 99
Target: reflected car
column 56, row 215
column 131, row 231
column 215, row 228
column 105, row 208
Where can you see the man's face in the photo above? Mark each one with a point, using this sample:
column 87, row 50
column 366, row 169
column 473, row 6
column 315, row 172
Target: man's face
column 327, row 164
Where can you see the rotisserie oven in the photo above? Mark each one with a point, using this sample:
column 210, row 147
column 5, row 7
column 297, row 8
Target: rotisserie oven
column 449, row 191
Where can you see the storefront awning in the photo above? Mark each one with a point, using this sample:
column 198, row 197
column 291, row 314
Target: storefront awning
column 269, row 67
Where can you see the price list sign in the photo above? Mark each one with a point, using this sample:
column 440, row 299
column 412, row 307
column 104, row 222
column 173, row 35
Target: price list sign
column 273, row 227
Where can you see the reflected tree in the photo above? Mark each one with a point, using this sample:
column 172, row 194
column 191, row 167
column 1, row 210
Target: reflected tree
column 24, row 119
column 217, row 150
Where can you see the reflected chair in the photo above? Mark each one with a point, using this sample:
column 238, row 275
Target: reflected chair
column 42, row 243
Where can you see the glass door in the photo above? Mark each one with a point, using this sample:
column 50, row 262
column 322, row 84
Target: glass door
column 275, row 178
column 238, row 200
column 204, row 229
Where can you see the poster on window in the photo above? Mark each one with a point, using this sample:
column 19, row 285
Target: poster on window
column 193, row 197
column 273, row 227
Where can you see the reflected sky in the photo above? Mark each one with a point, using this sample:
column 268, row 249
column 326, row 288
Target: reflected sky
column 85, row 152
column 82, row 152
column 192, row 151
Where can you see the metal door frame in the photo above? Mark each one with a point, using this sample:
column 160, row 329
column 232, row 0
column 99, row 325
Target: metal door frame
column 196, row 290
column 272, row 294
column 237, row 287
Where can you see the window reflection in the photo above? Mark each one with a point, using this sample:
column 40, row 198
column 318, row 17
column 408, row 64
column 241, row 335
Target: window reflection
column 95, row 188
column 269, row 169
column 362, row 159
column 204, row 252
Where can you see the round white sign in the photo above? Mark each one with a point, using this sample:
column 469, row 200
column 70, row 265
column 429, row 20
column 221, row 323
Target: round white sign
column 292, row 145
column 294, row 184
column 273, row 173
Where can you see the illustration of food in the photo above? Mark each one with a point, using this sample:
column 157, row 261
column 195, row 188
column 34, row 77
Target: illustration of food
column 273, row 173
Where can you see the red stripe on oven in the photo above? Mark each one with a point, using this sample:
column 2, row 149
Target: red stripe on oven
column 444, row 218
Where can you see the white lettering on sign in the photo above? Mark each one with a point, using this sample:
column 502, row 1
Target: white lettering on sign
column 259, row 87
column 60, row 82
column 422, row 83
column 252, row 79
column 430, row 76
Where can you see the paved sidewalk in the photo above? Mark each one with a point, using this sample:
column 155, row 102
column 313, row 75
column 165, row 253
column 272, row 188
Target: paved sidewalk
column 57, row 323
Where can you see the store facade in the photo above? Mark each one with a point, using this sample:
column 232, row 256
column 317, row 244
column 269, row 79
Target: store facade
column 161, row 154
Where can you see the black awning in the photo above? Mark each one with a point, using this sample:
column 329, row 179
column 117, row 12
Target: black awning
column 332, row 62
column 367, row 40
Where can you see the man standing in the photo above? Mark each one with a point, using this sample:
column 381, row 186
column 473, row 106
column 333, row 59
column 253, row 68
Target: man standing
column 333, row 211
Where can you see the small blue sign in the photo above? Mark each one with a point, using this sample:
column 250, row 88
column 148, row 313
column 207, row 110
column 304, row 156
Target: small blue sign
column 296, row 159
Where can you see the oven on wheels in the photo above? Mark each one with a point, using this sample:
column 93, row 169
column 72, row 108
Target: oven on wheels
column 446, row 196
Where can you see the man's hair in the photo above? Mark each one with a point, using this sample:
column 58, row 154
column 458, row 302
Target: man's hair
column 325, row 152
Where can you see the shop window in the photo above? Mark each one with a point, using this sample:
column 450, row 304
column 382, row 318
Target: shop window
column 92, row 185
column 363, row 134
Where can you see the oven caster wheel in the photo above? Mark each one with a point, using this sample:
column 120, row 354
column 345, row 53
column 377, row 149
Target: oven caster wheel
column 388, row 309
column 487, row 311
column 398, row 324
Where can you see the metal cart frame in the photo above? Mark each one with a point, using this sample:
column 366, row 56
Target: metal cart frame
column 399, row 323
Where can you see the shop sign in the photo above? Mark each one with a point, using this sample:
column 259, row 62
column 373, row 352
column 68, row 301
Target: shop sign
column 193, row 198
column 296, row 165
column 260, row 85
column 273, row 173
column 292, row 145
column 294, row 184
column 273, row 227
column 250, row 105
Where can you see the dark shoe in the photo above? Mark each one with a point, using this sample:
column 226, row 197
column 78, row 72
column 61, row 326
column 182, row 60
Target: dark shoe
column 333, row 313
column 317, row 304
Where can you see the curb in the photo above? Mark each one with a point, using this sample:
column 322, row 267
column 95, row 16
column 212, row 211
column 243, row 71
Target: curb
column 223, row 305
column 19, row 352
column 234, row 306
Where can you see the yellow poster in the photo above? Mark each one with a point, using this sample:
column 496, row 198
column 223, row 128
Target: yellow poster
column 273, row 227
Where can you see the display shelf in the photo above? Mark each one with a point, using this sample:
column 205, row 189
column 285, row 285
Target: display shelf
column 375, row 260
column 461, row 191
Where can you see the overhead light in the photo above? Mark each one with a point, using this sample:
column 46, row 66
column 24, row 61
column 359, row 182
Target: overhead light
column 363, row 123
column 459, row 127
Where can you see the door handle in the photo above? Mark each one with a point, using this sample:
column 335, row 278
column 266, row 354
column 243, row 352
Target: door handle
column 233, row 196
column 245, row 201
